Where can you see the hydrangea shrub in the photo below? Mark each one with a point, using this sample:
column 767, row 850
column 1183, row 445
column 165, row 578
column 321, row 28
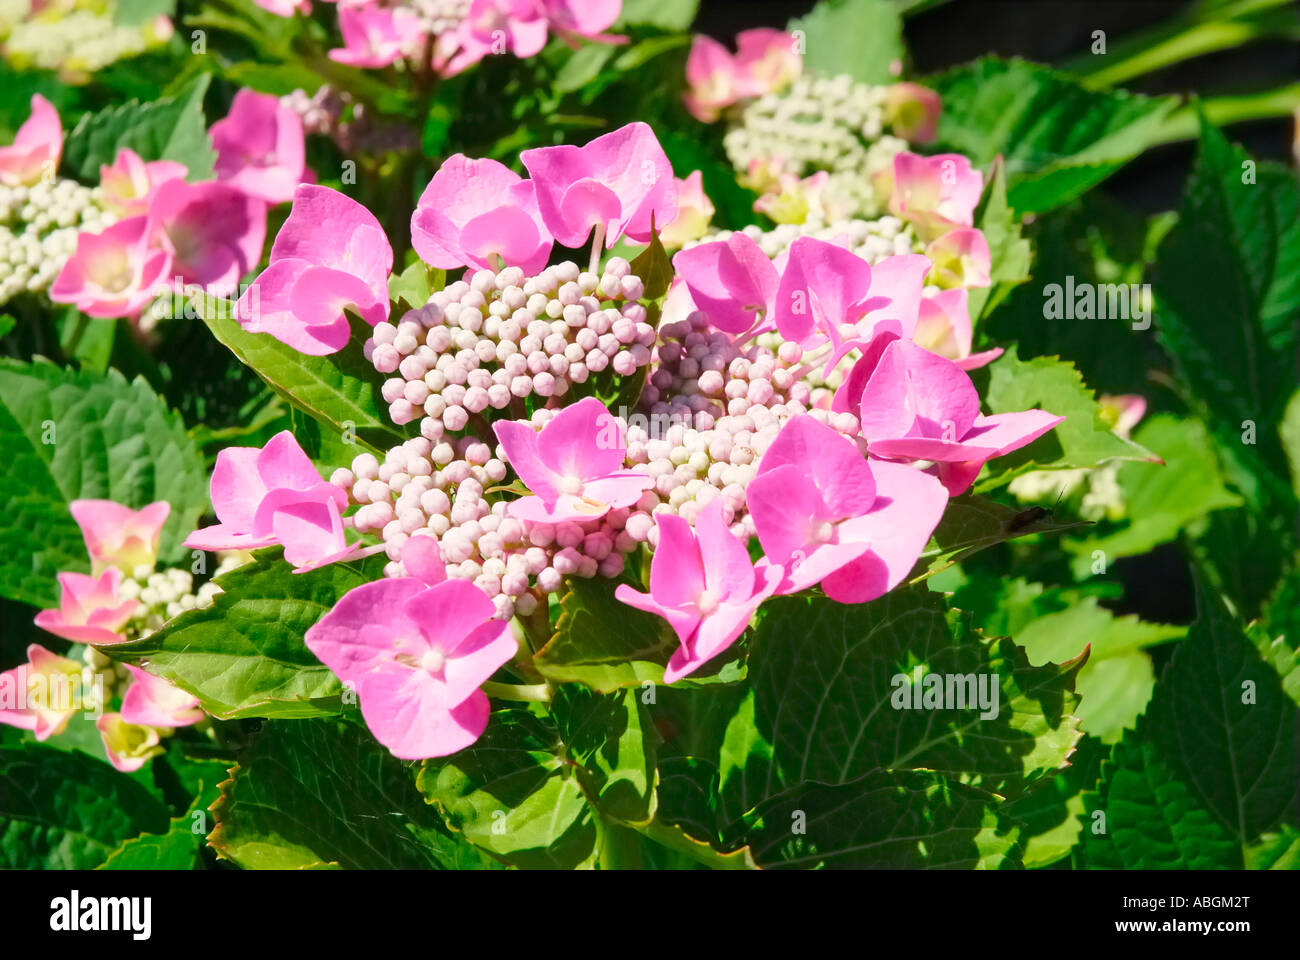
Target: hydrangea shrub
column 525, row 434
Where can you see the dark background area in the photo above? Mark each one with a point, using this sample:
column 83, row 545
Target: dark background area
column 1050, row 31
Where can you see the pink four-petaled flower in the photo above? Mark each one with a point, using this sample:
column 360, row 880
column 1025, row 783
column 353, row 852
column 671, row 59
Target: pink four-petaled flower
column 574, row 467
column 416, row 655
column 704, row 584
column 826, row 515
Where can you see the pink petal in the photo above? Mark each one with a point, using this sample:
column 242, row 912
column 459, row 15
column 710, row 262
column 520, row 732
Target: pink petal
column 403, row 709
column 785, row 505
column 829, row 459
column 730, row 280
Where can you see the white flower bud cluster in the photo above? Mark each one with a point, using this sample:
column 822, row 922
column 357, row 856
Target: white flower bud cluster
column 872, row 240
column 101, row 670
column 77, row 42
column 438, row 490
column 714, row 408
column 493, row 341
column 834, row 124
column 440, row 16
column 164, row 594
column 38, row 231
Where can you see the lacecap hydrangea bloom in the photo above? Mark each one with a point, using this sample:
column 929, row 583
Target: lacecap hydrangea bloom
column 788, row 422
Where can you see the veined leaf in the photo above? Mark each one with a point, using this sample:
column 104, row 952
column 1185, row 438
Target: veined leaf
column 66, row 435
column 170, row 128
column 244, row 656
column 62, row 810
column 341, row 389
column 309, row 793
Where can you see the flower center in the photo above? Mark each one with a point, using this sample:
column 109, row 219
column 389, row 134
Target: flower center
column 823, row 531
column 434, row 660
column 706, row 603
column 571, row 485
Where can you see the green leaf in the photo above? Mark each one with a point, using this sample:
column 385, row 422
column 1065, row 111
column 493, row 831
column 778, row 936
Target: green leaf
column 341, row 389
column 1234, row 253
column 66, row 435
column 170, row 128
column 583, row 66
column 244, row 656
column 654, row 268
column 1160, row 502
column 62, row 810
column 1009, row 251
column 1115, row 684
column 884, row 820
column 1084, row 439
column 664, row 14
column 1058, row 138
column 513, row 795
column 1154, row 820
column 612, row 740
column 1275, row 851
column 971, row 523
column 177, row 849
column 585, row 649
column 411, row 285
column 310, row 793
column 863, row 38
column 834, row 695
column 1225, row 726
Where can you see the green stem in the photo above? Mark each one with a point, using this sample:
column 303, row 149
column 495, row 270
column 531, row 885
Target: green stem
column 1183, row 38
column 1183, row 124
column 530, row 693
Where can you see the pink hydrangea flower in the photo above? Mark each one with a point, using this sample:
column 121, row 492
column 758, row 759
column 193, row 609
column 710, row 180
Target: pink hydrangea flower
column 830, row 294
column 474, row 211
column 285, row 8
column 945, row 328
column 330, row 254
column 733, row 281
column 34, row 154
column 791, row 199
column 90, row 609
column 117, row 536
column 416, row 656
column 694, row 211
column 704, row 584
column 274, row 496
column 114, row 273
column 712, row 79
column 915, row 405
column 128, row 183
column 517, row 27
column 153, row 702
column 375, row 37
column 827, row 516
column 767, row 60
column 213, row 231
column 935, row 193
column 573, row 467
column 1124, row 409
column 41, row 695
column 616, row 184
column 128, row 746
column 961, row 259
column 912, row 111
column 588, row 19
column 260, row 147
